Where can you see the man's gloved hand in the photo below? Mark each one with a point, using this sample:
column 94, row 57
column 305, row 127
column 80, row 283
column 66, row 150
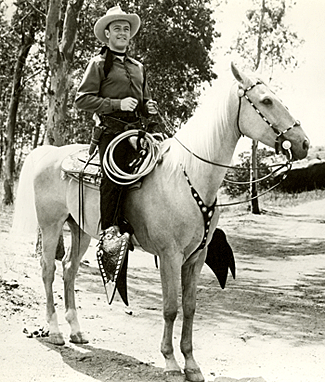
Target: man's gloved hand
column 129, row 104
column 152, row 106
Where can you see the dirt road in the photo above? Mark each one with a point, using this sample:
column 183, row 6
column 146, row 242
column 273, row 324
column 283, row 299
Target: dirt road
column 267, row 325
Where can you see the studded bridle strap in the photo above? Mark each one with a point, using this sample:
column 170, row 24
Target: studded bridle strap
column 277, row 132
column 207, row 212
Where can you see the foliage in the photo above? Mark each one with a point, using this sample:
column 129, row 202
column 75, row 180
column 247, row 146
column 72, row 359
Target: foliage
column 7, row 62
column 23, row 27
column 242, row 173
column 279, row 41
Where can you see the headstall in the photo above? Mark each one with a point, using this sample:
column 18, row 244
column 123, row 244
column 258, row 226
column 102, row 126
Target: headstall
column 285, row 144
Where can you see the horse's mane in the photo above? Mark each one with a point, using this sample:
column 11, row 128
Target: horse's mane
column 204, row 133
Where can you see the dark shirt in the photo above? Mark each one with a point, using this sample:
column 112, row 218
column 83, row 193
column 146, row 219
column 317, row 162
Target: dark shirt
column 102, row 95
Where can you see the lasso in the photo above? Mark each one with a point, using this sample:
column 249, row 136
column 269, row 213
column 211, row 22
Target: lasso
column 120, row 177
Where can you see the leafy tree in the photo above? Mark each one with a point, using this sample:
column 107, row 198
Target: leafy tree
column 272, row 40
column 7, row 41
column 25, row 24
column 266, row 36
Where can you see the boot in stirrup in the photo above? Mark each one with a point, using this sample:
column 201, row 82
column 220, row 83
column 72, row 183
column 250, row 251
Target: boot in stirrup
column 112, row 256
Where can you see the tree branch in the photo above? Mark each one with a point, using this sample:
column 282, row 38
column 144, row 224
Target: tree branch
column 30, row 77
column 37, row 10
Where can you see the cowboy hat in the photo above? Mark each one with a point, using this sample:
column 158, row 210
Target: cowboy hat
column 114, row 14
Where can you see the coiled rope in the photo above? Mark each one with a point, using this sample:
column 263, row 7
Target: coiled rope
column 120, row 177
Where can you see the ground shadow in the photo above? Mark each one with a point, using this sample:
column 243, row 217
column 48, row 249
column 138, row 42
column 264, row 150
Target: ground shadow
column 105, row 365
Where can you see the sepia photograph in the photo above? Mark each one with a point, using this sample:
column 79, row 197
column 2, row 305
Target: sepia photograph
column 162, row 191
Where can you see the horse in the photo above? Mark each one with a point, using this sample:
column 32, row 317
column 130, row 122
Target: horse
column 166, row 211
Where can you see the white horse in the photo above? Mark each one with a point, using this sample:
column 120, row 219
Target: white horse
column 166, row 212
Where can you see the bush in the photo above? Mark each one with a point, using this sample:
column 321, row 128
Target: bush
column 236, row 181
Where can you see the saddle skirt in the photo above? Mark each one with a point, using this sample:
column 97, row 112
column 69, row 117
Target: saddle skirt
column 77, row 165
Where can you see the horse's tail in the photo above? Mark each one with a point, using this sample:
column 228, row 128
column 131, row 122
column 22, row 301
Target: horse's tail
column 25, row 219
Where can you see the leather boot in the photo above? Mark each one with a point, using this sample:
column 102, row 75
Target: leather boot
column 112, row 256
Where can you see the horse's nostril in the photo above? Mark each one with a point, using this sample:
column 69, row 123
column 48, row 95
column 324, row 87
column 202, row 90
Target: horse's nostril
column 305, row 145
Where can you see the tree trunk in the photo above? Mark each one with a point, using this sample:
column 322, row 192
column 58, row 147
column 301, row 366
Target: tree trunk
column 60, row 56
column 11, row 121
column 40, row 111
column 254, row 176
column 254, row 170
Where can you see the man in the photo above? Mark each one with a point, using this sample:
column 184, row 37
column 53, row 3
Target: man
column 114, row 88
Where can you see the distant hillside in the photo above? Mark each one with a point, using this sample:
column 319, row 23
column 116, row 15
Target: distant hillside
column 315, row 155
column 307, row 174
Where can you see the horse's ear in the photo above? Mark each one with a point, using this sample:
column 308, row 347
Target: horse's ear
column 240, row 77
column 235, row 72
column 260, row 68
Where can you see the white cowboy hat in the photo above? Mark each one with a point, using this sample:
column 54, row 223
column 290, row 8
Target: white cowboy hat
column 114, row 14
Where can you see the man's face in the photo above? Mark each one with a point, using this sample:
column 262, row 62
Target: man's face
column 118, row 33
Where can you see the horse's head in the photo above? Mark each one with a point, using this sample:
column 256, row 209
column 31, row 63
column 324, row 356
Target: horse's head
column 263, row 117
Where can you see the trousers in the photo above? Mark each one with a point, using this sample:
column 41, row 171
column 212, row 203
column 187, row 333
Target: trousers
column 112, row 194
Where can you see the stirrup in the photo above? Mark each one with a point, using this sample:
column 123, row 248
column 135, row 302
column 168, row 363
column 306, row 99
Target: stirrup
column 112, row 256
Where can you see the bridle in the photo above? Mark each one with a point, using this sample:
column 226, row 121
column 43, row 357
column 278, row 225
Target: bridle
column 286, row 145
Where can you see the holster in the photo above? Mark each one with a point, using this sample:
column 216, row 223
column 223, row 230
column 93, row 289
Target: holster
column 95, row 137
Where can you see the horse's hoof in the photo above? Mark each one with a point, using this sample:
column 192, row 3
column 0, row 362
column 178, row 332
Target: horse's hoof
column 78, row 338
column 174, row 376
column 56, row 339
column 194, row 375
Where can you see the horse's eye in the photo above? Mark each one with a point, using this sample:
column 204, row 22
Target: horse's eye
column 267, row 101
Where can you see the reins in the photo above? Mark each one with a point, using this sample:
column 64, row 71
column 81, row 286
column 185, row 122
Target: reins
column 281, row 166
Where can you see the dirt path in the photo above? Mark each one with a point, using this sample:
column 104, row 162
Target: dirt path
column 267, row 325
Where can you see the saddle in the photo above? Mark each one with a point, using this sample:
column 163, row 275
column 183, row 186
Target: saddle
column 80, row 165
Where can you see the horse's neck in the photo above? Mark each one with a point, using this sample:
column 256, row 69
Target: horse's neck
column 213, row 139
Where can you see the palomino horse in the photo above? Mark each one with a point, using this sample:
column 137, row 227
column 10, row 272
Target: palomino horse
column 166, row 217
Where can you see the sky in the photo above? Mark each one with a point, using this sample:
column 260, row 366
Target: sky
column 303, row 90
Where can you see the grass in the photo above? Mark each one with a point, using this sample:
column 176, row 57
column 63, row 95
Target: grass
column 272, row 199
column 280, row 199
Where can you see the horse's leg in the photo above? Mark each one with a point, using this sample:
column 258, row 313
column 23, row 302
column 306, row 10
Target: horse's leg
column 50, row 238
column 190, row 276
column 170, row 270
column 70, row 265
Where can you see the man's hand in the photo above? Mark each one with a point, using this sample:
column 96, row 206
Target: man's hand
column 152, row 106
column 129, row 104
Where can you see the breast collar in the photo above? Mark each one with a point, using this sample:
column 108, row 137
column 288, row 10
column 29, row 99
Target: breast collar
column 207, row 212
